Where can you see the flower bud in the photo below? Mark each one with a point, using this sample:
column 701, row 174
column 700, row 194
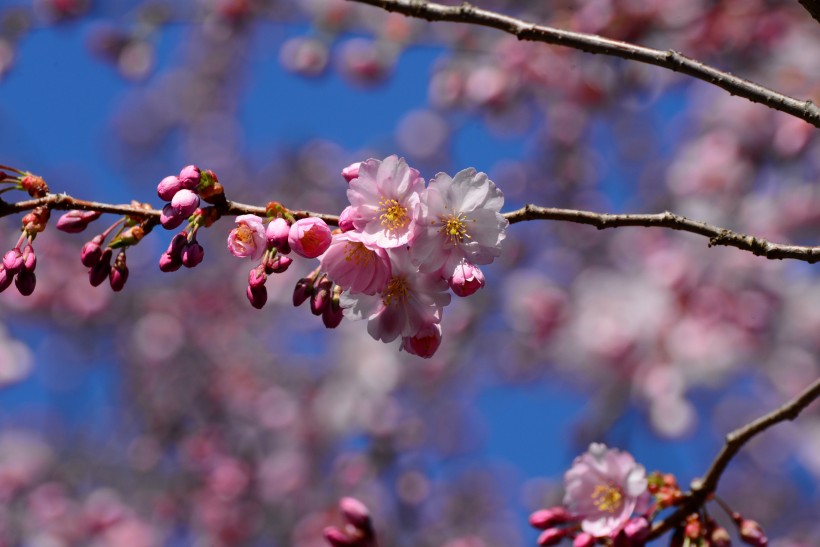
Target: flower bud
column 170, row 218
column 29, row 258
column 168, row 187
column 257, row 277
column 583, row 540
column 309, row 237
column 302, row 291
column 189, row 177
column 543, row 518
column 337, row 538
column 720, row 537
column 467, row 278
column 192, row 254
column 425, row 344
column 34, row 185
column 351, row 171
column 321, row 296
column 356, row 513
column 13, row 260
column 552, row 536
column 5, row 279
column 169, row 263
column 185, row 202
column 91, row 252
column 750, row 532
column 279, row 264
column 636, row 530
column 257, row 296
column 99, row 272
column 332, row 315
column 25, row 282
column 277, row 234
column 118, row 274
column 74, row 222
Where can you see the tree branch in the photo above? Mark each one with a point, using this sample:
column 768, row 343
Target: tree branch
column 813, row 7
column 703, row 488
column 590, row 43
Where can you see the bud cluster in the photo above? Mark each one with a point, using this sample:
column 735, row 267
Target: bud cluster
column 183, row 192
column 19, row 263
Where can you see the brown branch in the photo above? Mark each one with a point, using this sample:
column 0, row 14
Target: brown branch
column 717, row 236
column 590, row 43
column 703, row 488
column 813, row 7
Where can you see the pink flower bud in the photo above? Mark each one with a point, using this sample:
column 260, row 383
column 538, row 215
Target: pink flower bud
column 466, row 279
column 751, row 533
column 309, row 237
column 583, row 540
column 74, row 222
column 25, row 282
column 720, row 537
column 99, row 272
column 185, row 202
column 168, row 187
column 425, row 343
column 257, row 277
column 348, row 217
column 636, row 530
column 279, row 264
column 321, row 297
column 332, row 315
column 337, row 538
column 257, row 296
column 189, row 177
column 118, row 274
column 170, row 218
column 552, row 536
column 5, row 279
column 277, row 234
column 547, row 518
column 91, row 252
column 351, row 171
column 169, row 263
column 192, row 254
column 356, row 513
column 29, row 258
column 303, row 291
column 13, row 261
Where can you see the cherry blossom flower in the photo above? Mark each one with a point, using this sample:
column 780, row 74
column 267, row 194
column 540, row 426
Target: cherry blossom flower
column 354, row 266
column 410, row 301
column 385, row 199
column 602, row 488
column 461, row 220
column 248, row 238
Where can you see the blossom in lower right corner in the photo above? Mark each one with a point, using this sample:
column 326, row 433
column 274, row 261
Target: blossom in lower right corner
column 603, row 487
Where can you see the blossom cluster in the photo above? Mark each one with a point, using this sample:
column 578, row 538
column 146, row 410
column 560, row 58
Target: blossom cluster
column 609, row 500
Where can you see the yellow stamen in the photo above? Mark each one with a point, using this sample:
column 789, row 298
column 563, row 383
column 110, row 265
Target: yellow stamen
column 358, row 253
column 396, row 291
column 607, row 498
column 452, row 226
column 244, row 234
column 393, row 215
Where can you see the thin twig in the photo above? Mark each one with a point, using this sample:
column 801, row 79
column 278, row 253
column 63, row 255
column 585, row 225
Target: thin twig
column 590, row 43
column 703, row 488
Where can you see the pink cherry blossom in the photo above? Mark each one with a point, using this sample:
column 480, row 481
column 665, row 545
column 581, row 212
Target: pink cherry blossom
column 309, row 237
column 248, row 238
column 410, row 301
column 602, row 488
column 385, row 199
column 461, row 220
column 355, row 266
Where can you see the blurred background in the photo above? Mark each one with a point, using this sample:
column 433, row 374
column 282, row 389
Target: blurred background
column 173, row 413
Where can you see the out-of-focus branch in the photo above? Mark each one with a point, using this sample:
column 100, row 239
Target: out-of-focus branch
column 717, row 236
column 672, row 60
column 813, row 7
column 703, row 488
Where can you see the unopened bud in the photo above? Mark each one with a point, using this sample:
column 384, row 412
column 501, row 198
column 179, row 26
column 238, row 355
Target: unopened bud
column 351, row 171
column 547, row 518
column 118, row 274
column 130, row 236
column 583, row 540
column 185, row 202
column 99, row 272
column 425, row 344
column 321, row 296
column 720, row 537
column 332, row 315
column 29, row 258
column 74, row 222
column 552, row 536
column 91, row 252
column 213, row 194
column 277, row 233
column 25, row 282
column 34, row 185
column 337, row 538
column 257, row 276
column 356, row 513
column 170, row 218
column 189, row 177
column 168, row 187
column 750, row 532
column 5, row 279
column 302, row 291
column 13, row 261
column 192, row 254
column 257, row 296
column 279, row 264
column 169, row 263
